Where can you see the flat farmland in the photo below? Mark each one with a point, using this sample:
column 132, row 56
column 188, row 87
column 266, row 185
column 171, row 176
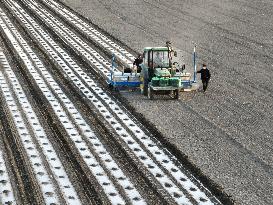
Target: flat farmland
column 227, row 132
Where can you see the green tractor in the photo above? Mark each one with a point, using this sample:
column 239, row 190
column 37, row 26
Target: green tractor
column 159, row 75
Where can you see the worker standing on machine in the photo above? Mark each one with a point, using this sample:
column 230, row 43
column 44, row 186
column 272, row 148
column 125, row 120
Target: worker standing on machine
column 137, row 63
column 172, row 52
column 205, row 76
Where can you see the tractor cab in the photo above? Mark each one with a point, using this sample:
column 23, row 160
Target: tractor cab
column 157, row 57
column 156, row 60
column 159, row 75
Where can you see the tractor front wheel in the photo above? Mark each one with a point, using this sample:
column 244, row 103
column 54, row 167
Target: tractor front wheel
column 145, row 90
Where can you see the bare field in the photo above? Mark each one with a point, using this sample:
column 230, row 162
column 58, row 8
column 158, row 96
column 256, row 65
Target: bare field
column 227, row 132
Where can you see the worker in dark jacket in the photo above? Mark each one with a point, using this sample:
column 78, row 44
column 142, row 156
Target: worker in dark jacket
column 137, row 63
column 205, row 76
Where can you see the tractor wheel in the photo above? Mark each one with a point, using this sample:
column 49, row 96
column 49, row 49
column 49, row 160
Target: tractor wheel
column 145, row 90
column 168, row 92
column 110, row 86
column 150, row 93
column 176, row 94
column 141, row 89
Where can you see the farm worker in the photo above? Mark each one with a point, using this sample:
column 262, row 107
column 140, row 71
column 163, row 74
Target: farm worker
column 205, row 76
column 137, row 63
column 172, row 52
column 158, row 60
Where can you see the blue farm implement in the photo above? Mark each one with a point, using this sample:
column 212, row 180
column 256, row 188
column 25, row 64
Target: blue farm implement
column 123, row 79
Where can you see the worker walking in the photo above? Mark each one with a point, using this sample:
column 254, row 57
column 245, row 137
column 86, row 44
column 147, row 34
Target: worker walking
column 205, row 76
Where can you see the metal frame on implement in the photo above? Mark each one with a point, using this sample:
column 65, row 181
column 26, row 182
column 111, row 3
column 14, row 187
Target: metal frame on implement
column 121, row 79
column 169, row 90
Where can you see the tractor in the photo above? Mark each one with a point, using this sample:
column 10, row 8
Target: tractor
column 159, row 75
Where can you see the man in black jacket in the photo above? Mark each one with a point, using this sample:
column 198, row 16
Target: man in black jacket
column 137, row 63
column 205, row 76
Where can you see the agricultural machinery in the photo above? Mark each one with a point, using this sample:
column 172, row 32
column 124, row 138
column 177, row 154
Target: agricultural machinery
column 159, row 75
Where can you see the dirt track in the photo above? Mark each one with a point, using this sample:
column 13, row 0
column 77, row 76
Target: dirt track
column 226, row 132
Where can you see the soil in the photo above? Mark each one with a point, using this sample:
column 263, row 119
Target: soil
column 227, row 131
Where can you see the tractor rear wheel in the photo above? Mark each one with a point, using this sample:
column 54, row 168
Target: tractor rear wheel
column 150, row 93
column 145, row 90
column 176, row 94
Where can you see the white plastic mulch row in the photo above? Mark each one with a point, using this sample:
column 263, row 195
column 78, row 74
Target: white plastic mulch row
column 6, row 191
column 121, row 52
column 39, row 169
column 149, row 163
column 158, row 154
column 67, row 190
column 72, row 39
column 84, row 129
column 181, row 179
column 105, row 42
